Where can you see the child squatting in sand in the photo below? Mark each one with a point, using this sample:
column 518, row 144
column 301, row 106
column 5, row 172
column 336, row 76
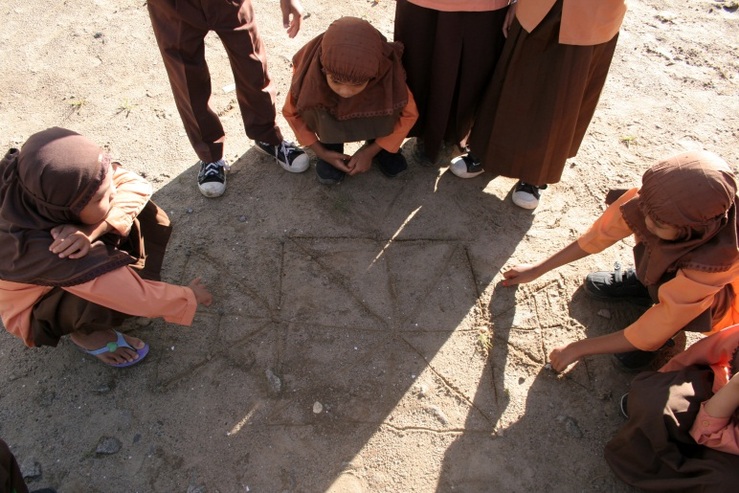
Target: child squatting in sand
column 349, row 85
column 81, row 249
column 686, row 256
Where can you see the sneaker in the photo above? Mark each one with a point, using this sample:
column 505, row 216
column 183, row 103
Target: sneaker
column 618, row 284
column 624, row 405
column 327, row 174
column 212, row 178
column 391, row 164
column 291, row 157
column 526, row 195
column 633, row 361
column 466, row 166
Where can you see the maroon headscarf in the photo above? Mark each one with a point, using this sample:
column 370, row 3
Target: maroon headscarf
column 353, row 51
column 696, row 193
column 45, row 184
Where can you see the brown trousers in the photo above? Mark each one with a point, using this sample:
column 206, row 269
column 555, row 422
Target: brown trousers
column 11, row 480
column 180, row 27
column 59, row 312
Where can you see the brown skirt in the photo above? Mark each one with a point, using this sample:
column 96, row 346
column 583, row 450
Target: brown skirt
column 449, row 58
column 11, row 479
column 540, row 102
column 654, row 451
column 59, row 312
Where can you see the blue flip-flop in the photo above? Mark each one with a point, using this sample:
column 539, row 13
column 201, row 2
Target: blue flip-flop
column 111, row 347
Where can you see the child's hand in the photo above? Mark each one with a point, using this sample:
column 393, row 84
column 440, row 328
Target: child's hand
column 336, row 159
column 562, row 357
column 291, row 8
column 70, row 241
column 361, row 161
column 520, row 274
column 202, row 295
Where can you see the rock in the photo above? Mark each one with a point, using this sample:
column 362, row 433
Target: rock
column 31, row 469
column 275, row 384
column 108, row 446
column 571, row 426
column 438, row 414
column 196, row 488
column 603, row 312
column 317, row 407
column 242, row 219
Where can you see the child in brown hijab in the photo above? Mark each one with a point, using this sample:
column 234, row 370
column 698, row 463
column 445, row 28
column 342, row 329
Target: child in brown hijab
column 81, row 249
column 686, row 254
column 349, row 85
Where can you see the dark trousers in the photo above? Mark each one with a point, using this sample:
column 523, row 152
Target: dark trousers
column 11, row 480
column 180, row 27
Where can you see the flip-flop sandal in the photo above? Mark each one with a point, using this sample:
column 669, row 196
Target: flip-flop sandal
column 111, row 347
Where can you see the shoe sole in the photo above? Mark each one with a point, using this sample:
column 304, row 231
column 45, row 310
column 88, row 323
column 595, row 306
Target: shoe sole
column 284, row 166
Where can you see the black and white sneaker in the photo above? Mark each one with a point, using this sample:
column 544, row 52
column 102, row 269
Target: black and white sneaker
column 466, row 166
column 291, row 157
column 526, row 195
column 212, row 178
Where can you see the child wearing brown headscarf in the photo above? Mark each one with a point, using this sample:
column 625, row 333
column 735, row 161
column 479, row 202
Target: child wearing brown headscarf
column 81, row 249
column 687, row 258
column 349, row 85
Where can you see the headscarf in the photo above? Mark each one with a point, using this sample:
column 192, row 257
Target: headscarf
column 696, row 193
column 45, row 184
column 353, row 51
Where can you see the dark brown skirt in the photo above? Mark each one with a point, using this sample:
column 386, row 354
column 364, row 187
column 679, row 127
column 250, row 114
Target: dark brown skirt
column 11, row 479
column 654, row 451
column 449, row 58
column 540, row 102
column 59, row 312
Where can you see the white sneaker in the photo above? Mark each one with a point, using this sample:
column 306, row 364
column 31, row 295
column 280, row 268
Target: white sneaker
column 212, row 178
column 291, row 157
column 466, row 167
column 526, row 195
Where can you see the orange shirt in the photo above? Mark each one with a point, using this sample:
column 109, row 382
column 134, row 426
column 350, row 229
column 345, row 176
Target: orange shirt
column 121, row 289
column 681, row 299
column 391, row 143
column 461, row 5
column 584, row 22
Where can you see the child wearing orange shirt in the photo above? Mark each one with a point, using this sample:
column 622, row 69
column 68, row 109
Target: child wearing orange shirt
column 687, row 258
column 81, row 249
column 349, row 85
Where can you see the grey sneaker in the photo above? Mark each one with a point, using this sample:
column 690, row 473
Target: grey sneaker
column 466, row 166
column 291, row 157
column 526, row 195
column 212, row 178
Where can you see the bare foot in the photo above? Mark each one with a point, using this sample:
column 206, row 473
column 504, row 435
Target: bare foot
column 99, row 339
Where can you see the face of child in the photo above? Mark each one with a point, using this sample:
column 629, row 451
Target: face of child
column 661, row 230
column 99, row 205
column 345, row 89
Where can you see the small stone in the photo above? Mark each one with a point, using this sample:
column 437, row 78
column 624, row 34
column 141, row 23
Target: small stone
column 571, row 426
column 275, row 384
column 242, row 219
column 189, row 210
column 438, row 414
column 108, row 446
column 31, row 469
column 317, row 408
column 605, row 313
column 103, row 388
column 143, row 322
column 196, row 488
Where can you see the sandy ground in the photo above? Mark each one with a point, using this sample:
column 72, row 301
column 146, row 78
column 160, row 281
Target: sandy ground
column 347, row 347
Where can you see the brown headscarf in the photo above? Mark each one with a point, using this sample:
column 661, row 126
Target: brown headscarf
column 45, row 184
column 353, row 51
column 695, row 192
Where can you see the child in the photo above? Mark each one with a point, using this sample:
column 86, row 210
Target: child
column 451, row 49
column 349, row 85
column 683, row 427
column 687, row 258
column 180, row 28
column 81, row 249
column 544, row 92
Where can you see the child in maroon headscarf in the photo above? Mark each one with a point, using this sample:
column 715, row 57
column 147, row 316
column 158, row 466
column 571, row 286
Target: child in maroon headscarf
column 687, row 258
column 349, row 85
column 81, row 249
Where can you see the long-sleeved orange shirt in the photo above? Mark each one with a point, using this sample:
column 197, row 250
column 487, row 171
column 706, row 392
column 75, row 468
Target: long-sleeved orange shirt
column 584, row 22
column 391, row 142
column 121, row 289
column 681, row 299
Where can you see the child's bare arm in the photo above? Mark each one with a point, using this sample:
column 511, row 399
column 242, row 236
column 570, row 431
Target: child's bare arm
column 292, row 16
column 202, row 295
column 564, row 356
column 524, row 273
column 725, row 402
